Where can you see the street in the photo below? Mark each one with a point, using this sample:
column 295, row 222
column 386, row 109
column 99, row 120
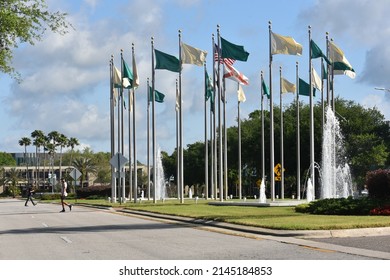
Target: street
column 43, row 233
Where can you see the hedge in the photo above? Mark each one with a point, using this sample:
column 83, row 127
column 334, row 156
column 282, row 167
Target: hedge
column 378, row 183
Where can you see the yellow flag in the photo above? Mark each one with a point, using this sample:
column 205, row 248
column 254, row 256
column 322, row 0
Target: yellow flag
column 284, row 45
column 340, row 63
column 191, row 55
column 286, row 86
column 241, row 94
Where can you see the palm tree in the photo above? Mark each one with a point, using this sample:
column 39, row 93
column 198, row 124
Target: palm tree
column 53, row 143
column 13, row 177
column 85, row 166
column 25, row 141
column 51, row 150
column 62, row 141
column 45, row 141
column 72, row 143
column 38, row 141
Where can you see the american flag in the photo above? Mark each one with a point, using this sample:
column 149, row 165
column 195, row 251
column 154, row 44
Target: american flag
column 227, row 61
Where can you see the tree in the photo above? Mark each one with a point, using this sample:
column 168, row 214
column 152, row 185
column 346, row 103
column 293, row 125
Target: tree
column 103, row 171
column 85, row 165
column 194, row 163
column 6, row 159
column 72, row 143
column 23, row 21
column 51, row 148
column 62, row 141
column 12, row 177
column 25, row 141
column 38, row 141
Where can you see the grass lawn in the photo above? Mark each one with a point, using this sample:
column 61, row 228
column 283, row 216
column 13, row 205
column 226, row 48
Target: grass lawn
column 268, row 217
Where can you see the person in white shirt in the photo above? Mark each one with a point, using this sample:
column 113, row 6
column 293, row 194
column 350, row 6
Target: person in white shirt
column 64, row 194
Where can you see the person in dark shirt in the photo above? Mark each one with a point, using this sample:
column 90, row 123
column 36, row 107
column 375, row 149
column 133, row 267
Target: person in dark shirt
column 30, row 192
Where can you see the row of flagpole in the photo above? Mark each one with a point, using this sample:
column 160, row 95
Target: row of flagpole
column 224, row 56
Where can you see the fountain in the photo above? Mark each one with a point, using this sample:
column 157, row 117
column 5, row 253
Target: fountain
column 335, row 172
column 310, row 191
column 160, row 178
column 263, row 198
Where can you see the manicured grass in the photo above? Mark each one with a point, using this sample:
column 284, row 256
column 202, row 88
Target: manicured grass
column 268, row 217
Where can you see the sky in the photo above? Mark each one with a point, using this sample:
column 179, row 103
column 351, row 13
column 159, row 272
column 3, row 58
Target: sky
column 65, row 85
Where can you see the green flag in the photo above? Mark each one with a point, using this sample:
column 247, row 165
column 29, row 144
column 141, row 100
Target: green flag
column 158, row 96
column 316, row 52
column 127, row 75
column 233, row 51
column 209, row 91
column 265, row 89
column 324, row 72
column 167, row 61
column 304, row 88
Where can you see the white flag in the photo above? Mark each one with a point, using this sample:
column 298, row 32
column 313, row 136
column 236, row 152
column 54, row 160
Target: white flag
column 316, row 80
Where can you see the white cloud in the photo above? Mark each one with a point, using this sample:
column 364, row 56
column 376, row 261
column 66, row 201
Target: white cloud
column 381, row 101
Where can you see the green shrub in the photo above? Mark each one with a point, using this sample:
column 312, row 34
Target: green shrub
column 302, row 208
column 378, row 183
column 340, row 206
column 49, row 196
column 102, row 191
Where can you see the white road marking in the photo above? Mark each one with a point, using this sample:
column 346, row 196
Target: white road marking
column 66, row 239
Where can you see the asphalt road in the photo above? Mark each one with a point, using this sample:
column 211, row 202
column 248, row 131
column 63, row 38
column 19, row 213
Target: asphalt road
column 43, row 233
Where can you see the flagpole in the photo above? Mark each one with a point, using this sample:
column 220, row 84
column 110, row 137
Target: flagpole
column 281, row 138
column 312, row 167
column 148, row 136
column 154, row 128
column 130, row 146
column 332, row 89
column 298, row 135
column 206, row 148
column 328, row 68
column 120, row 131
column 134, row 132
column 219, row 122
column 239, row 147
column 322, row 94
column 262, row 131
column 224, row 139
column 213, row 133
column 181, row 127
column 177, row 142
column 272, row 152
column 112, row 130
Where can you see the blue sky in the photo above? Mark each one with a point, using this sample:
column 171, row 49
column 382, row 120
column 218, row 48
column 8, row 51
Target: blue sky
column 66, row 80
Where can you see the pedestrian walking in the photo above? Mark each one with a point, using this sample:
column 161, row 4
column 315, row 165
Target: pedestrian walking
column 30, row 192
column 64, row 194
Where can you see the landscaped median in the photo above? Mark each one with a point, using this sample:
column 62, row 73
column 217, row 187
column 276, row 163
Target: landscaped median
column 286, row 218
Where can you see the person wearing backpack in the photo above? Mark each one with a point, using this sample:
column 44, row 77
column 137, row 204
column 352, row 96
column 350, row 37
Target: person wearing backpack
column 64, row 194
